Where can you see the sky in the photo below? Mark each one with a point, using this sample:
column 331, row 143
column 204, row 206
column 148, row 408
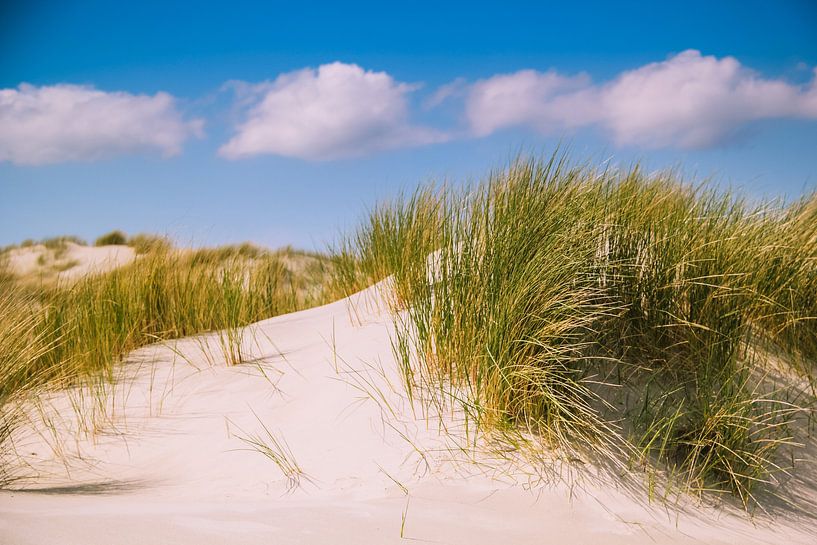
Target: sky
column 282, row 123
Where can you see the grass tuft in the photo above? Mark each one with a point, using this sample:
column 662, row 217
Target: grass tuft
column 116, row 238
column 144, row 243
column 633, row 317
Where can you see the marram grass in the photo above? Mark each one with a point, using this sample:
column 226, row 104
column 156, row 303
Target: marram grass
column 59, row 335
column 632, row 317
column 56, row 334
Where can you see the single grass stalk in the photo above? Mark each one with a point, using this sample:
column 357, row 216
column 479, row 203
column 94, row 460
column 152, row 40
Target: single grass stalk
column 277, row 450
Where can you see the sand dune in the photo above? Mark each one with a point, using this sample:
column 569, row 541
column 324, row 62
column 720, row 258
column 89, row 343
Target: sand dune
column 71, row 262
column 169, row 459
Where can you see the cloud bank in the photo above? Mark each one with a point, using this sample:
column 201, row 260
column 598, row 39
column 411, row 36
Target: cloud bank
column 687, row 101
column 337, row 110
column 58, row 123
column 342, row 110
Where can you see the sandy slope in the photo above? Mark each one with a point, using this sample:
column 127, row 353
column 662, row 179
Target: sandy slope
column 74, row 262
column 167, row 464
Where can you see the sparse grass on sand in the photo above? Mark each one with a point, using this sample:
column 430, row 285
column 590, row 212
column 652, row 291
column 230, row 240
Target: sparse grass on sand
column 626, row 317
column 56, row 335
column 58, row 245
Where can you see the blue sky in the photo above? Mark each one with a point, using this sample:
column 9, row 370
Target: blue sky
column 280, row 123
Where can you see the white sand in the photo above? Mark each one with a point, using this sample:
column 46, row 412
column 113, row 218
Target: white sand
column 79, row 260
column 169, row 466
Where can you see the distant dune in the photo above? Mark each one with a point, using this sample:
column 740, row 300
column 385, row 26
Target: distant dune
column 68, row 262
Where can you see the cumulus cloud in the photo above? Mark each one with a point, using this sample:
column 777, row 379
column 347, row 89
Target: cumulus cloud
column 336, row 110
column 687, row 101
column 528, row 97
column 58, row 123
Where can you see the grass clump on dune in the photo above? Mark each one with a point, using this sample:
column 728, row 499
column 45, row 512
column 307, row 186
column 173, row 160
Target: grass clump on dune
column 144, row 243
column 114, row 238
column 245, row 250
column 629, row 317
column 60, row 243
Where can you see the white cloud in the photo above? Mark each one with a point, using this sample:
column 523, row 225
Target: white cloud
column 523, row 98
column 336, row 110
column 58, row 123
column 687, row 101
